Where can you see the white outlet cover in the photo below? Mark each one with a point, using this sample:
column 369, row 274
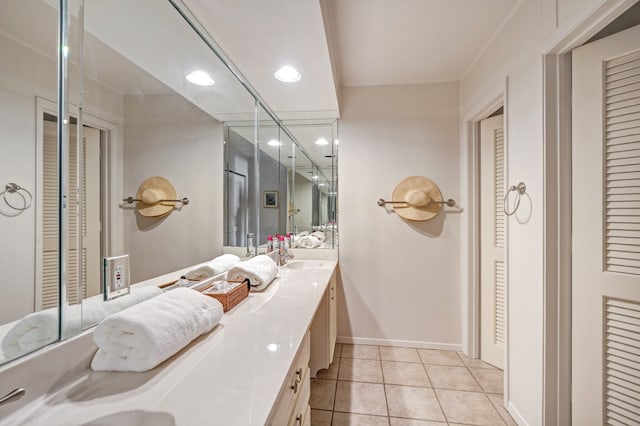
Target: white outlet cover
column 117, row 277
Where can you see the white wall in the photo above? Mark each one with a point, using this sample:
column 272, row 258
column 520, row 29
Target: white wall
column 400, row 281
column 25, row 75
column 516, row 56
column 165, row 135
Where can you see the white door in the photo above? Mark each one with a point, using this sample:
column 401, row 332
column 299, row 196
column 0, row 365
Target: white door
column 492, row 237
column 606, row 231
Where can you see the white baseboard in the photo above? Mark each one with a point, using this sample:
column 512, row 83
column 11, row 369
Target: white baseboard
column 516, row 415
column 400, row 343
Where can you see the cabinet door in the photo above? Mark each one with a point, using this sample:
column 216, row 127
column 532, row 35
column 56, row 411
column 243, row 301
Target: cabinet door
column 333, row 323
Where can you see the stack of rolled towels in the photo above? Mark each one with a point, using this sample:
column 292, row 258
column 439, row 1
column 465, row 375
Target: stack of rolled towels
column 143, row 336
column 313, row 240
column 260, row 270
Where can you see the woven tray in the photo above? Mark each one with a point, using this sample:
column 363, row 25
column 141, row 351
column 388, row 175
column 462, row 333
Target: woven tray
column 230, row 298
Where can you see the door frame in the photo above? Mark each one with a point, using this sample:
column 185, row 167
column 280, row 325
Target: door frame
column 111, row 183
column 470, row 156
column 557, row 209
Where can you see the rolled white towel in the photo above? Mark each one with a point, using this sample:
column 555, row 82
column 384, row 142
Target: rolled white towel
column 223, row 263
column 143, row 336
column 41, row 328
column 319, row 235
column 260, row 270
column 309, row 242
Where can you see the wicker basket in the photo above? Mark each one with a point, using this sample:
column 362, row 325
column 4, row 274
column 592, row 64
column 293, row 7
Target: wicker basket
column 230, row 298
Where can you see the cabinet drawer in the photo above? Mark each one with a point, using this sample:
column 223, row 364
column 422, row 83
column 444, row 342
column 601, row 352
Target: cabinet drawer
column 293, row 386
column 297, row 417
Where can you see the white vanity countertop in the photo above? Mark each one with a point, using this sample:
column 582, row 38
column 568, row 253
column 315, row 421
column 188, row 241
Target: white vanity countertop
column 231, row 376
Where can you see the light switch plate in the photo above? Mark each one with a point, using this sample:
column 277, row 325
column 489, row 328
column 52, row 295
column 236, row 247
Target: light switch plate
column 117, row 278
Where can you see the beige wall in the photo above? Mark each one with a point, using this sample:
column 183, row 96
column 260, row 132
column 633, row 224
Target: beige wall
column 401, row 281
column 165, row 135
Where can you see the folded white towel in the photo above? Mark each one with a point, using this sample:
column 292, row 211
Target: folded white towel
column 141, row 337
column 260, row 270
column 309, row 242
column 223, row 263
column 41, row 328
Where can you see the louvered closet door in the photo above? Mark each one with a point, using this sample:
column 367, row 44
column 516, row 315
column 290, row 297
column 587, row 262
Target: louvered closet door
column 492, row 246
column 88, row 283
column 606, row 231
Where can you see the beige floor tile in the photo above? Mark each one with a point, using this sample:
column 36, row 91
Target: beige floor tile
column 403, row 373
column 361, row 398
column 394, row 421
column 349, row 419
column 322, row 394
column 329, row 373
column 337, row 351
column 474, row 363
column 360, row 351
column 498, row 403
column 390, row 353
column 321, row 418
column 360, row 370
column 432, row 356
column 447, row 377
column 491, row 380
column 413, row 403
column 472, row 408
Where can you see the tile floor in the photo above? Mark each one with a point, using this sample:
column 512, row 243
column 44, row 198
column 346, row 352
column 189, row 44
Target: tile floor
column 381, row 385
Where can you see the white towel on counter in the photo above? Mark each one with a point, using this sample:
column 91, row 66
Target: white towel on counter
column 143, row 336
column 41, row 328
column 223, row 263
column 309, row 242
column 260, row 270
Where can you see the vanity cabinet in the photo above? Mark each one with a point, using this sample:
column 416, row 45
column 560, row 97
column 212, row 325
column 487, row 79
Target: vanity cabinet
column 324, row 329
column 292, row 405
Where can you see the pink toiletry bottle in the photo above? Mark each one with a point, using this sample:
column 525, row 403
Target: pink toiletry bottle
column 269, row 243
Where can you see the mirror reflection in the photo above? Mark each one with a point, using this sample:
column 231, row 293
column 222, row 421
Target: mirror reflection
column 138, row 108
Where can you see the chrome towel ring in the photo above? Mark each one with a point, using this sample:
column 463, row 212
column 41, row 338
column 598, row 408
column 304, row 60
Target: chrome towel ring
column 519, row 189
column 24, row 194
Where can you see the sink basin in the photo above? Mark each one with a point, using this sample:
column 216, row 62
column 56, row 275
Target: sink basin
column 307, row 264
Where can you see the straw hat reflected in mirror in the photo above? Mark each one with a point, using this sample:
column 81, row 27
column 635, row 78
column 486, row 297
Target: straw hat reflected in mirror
column 422, row 196
column 151, row 192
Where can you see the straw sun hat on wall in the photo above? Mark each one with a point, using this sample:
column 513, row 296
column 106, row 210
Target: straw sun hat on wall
column 422, row 196
column 151, row 191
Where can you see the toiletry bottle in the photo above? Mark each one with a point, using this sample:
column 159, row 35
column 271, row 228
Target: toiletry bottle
column 281, row 247
column 276, row 241
column 269, row 243
column 251, row 249
column 287, row 241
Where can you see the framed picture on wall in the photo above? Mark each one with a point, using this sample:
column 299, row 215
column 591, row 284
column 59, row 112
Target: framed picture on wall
column 270, row 199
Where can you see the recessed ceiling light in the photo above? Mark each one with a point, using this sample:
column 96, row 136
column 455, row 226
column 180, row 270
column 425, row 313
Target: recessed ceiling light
column 322, row 141
column 314, row 177
column 200, row 78
column 337, row 142
column 287, row 74
column 274, row 142
column 321, row 184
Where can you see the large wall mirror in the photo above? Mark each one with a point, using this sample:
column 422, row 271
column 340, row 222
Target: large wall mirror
column 296, row 181
column 85, row 125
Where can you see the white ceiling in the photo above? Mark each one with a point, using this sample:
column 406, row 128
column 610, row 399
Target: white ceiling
column 382, row 42
column 348, row 42
column 261, row 36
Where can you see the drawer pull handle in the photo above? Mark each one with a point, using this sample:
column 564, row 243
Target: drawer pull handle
column 14, row 395
column 299, row 420
column 294, row 387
